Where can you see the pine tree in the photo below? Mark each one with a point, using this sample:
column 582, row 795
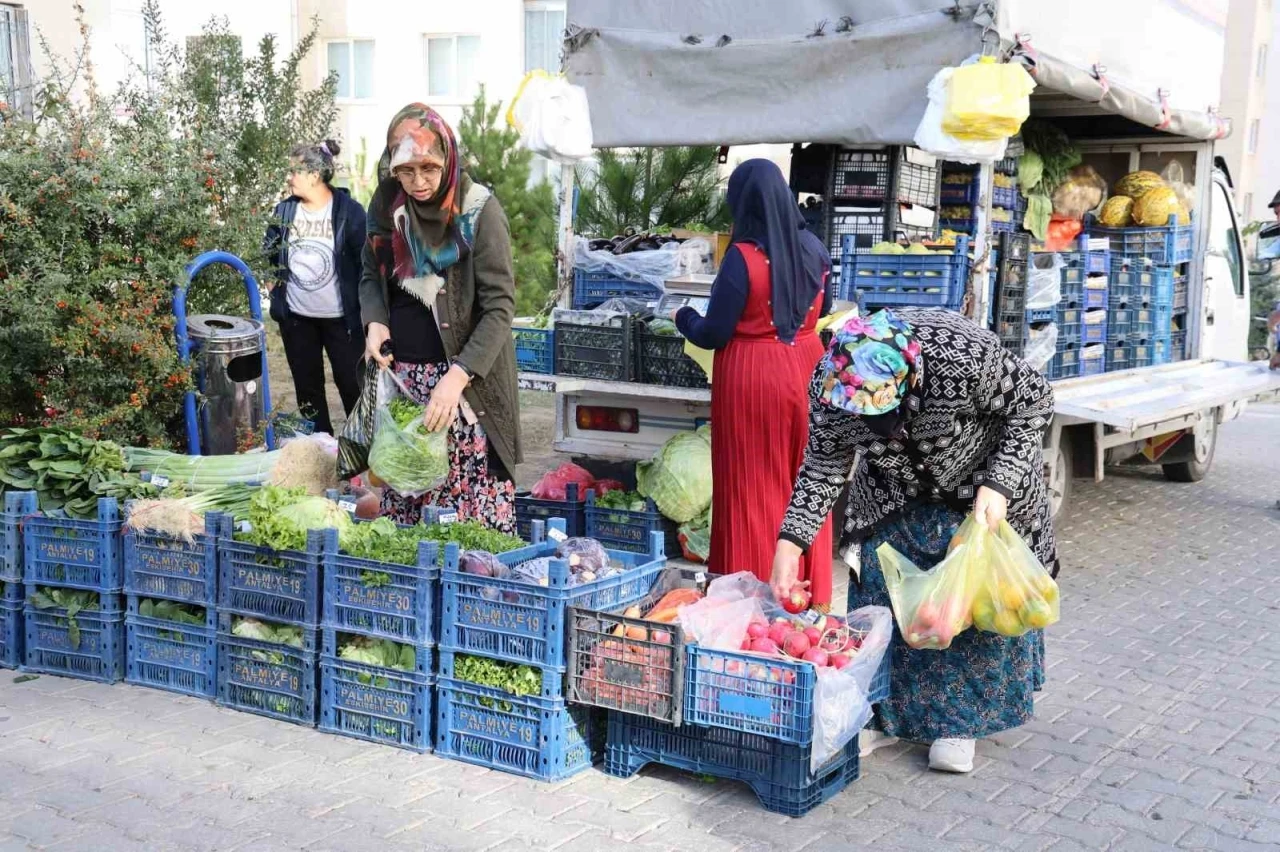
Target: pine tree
column 491, row 155
column 651, row 188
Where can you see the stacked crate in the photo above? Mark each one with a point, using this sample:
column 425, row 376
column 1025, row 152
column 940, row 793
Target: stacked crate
column 1149, row 277
column 879, row 194
column 18, row 506
column 379, row 602
column 72, row 570
column 1010, row 303
column 159, row 571
column 277, row 589
column 962, row 190
column 1081, row 315
column 520, row 626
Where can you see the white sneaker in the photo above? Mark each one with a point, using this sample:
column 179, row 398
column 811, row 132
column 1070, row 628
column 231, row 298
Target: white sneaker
column 952, row 755
column 870, row 740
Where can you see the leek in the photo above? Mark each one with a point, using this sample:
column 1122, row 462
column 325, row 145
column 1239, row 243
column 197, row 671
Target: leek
column 202, row 473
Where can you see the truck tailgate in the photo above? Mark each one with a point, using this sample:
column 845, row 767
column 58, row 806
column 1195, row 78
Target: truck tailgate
column 1132, row 399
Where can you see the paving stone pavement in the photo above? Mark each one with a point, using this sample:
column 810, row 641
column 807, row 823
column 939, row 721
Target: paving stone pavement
column 1159, row 728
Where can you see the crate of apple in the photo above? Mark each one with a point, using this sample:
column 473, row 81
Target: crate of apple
column 824, row 640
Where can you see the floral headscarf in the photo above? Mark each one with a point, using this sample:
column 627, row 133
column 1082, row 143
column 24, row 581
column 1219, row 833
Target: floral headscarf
column 871, row 364
column 423, row 238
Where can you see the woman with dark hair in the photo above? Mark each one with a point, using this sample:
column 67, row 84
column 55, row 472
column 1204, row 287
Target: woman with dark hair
column 437, row 297
column 765, row 303
column 315, row 247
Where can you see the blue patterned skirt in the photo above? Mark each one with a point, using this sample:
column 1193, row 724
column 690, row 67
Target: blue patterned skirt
column 983, row 684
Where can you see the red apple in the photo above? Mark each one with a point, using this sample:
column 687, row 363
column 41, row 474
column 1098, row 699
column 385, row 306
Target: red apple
column 814, row 635
column 756, row 630
column 817, row 656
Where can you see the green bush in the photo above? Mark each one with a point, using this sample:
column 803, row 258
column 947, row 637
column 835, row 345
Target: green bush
column 106, row 197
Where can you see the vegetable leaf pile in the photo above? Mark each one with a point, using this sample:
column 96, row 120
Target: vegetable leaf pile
column 74, row 601
column 68, row 471
column 627, row 501
column 511, row 678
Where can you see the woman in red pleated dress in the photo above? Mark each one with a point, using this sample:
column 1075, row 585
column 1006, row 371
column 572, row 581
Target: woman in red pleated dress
column 761, row 318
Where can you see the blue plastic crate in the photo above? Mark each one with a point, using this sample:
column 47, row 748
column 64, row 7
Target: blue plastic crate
column 1120, row 356
column 1178, row 346
column 1070, row 321
column 777, row 772
column 381, row 705
column 966, row 226
column 94, row 650
column 398, row 602
column 11, row 634
column 1162, row 287
column 591, row 289
column 277, row 585
column 1041, row 314
column 961, row 194
column 525, row 623
column 1095, row 295
column 1119, row 324
column 61, row 551
column 758, row 695
column 618, row 529
column 18, row 505
column 534, row 737
column 1170, row 244
column 1180, row 290
column 1093, row 360
column 572, row 511
column 535, row 350
column 1133, row 281
column 331, row 643
column 175, row 657
column 1093, row 328
column 1161, row 321
column 1065, row 363
column 1072, row 295
column 1161, row 349
column 553, row 680
column 1143, row 323
column 278, row 681
column 160, row 566
column 897, row 280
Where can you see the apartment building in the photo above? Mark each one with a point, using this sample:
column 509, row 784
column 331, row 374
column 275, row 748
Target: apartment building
column 1249, row 30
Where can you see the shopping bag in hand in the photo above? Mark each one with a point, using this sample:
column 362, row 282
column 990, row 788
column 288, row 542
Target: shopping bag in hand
column 405, row 455
column 357, row 433
column 1018, row 594
column 934, row 606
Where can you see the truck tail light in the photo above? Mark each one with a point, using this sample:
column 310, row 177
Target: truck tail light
column 599, row 418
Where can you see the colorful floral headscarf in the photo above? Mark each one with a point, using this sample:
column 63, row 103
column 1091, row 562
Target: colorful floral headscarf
column 871, row 364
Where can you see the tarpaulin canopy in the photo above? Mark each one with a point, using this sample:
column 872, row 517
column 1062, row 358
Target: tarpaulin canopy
column 736, row 72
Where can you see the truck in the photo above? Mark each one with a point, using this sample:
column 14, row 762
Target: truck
column 1127, row 83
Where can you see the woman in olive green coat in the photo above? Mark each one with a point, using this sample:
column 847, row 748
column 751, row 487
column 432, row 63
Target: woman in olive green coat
column 437, row 298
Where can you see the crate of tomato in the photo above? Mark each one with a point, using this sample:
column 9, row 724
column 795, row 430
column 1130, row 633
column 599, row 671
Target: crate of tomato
column 633, row 661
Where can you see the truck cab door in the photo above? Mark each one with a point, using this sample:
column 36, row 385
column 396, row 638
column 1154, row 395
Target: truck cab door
column 1224, row 306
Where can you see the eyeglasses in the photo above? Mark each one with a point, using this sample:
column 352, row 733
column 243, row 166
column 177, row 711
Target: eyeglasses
column 430, row 173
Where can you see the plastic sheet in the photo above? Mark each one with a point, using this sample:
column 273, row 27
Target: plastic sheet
column 553, row 117
column 655, row 267
column 840, row 705
column 1042, row 345
column 1044, row 281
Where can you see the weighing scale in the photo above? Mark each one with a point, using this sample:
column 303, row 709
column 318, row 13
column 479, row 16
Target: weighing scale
column 692, row 291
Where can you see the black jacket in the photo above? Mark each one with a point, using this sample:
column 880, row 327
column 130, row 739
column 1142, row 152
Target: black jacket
column 348, row 245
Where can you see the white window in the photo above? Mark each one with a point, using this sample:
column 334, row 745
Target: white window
column 1254, row 130
column 15, row 59
column 1261, row 71
column 543, row 27
column 352, row 61
column 453, row 66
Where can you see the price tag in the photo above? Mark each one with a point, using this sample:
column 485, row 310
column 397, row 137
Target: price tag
column 348, row 505
column 159, row 480
column 810, row 617
column 556, row 536
column 245, row 527
column 700, row 577
column 447, row 518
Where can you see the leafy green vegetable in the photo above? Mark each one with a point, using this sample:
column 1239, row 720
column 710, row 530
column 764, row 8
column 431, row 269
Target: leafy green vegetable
column 512, row 678
column 267, row 631
column 178, row 613
column 405, row 454
column 68, row 471
column 1039, row 212
column 279, row 518
column 471, row 535
column 1057, row 154
column 628, row 501
column 1030, row 171
column 678, row 478
column 382, row 653
column 664, row 327
column 404, row 411
column 74, row 601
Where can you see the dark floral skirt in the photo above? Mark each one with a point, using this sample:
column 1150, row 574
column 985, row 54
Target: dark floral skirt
column 983, row 684
column 471, row 490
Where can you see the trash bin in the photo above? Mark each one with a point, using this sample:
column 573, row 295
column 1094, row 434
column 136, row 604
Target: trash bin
column 227, row 365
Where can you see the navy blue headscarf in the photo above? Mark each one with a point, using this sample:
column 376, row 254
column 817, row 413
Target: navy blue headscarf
column 765, row 213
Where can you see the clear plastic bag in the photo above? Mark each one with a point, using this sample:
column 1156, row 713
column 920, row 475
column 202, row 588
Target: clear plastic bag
column 357, row 433
column 655, row 267
column 1042, row 345
column 719, row 621
column 931, row 137
column 1018, row 594
column 405, row 455
column 1174, row 175
column 584, row 555
column 553, row 117
column 840, row 706
column 987, row 100
column 1044, row 281
column 933, row 606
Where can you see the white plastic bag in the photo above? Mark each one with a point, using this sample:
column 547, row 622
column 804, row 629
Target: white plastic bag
column 840, row 706
column 553, row 117
column 719, row 621
column 1042, row 344
column 654, row 267
column 932, row 138
column 1044, row 281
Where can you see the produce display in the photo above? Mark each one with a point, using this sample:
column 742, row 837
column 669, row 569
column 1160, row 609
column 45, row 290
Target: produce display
column 202, row 473
column 67, row 471
column 827, row 641
column 513, row 678
column 280, row 518
column 73, row 601
column 1045, row 166
column 382, row 653
column 587, row 559
column 405, row 455
column 260, row 630
column 183, row 517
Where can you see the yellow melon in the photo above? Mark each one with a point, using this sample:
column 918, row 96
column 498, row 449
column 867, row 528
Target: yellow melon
column 1137, row 184
column 1117, row 212
column 1156, row 206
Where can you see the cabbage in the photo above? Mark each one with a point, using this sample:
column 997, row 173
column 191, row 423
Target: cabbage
column 317, row 513
column 678, row 477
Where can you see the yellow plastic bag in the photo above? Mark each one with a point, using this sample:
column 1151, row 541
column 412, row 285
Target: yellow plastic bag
column 988, row 100
column 1018, row 594
column 933, row 607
